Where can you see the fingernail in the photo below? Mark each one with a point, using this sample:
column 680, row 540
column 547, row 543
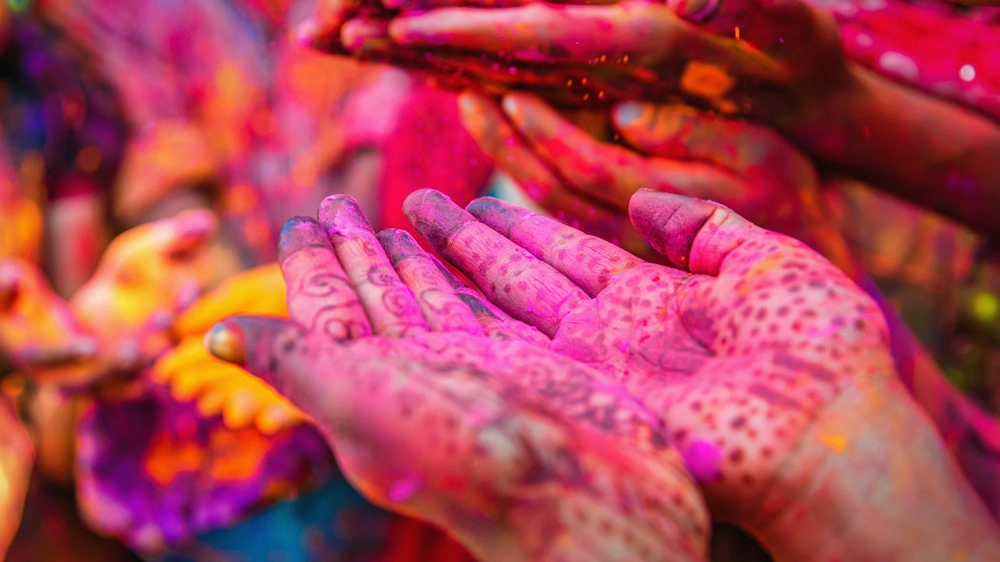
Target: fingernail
column 500, row 215
column 434, row 215
column 398, row 244
column 626, row 113
column 299, row 233
column 225, row 341
column 341, row 213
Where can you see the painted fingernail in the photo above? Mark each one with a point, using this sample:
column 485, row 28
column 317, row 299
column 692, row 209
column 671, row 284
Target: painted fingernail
column 225, row 341
column 626, row 113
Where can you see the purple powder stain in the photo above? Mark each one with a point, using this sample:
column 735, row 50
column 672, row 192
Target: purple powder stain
column 702, row 459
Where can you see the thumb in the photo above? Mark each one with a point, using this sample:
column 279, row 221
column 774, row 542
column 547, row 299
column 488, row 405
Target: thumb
column 280, row 353
column 694, row 234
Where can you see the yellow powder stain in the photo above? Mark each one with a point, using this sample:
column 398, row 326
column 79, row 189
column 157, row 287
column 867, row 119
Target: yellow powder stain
column 834, row 441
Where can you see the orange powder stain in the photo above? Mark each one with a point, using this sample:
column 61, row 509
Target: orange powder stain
column 706, row 80
column 238, row 453
column 168, row 458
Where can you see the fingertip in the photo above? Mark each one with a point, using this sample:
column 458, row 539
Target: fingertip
column 339, row 213
column 226, row 342
column 664, row 219
column 434, row 215
column 299, row 233
column 476, row 110
column 498, row 214
column 523, row 108
column 195, row 222
column 398, row 244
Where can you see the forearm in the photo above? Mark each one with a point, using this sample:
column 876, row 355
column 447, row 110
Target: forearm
column 905, row 500
column 927, row 151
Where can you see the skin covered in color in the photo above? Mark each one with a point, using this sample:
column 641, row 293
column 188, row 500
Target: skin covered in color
column 763, row 356
column 678, row 149
column 744, row 397
column 781, row 63
column 538, row 476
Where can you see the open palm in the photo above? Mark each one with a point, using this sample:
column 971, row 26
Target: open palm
column 760, row 356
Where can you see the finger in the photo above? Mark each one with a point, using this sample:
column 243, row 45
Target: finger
column 258, row 291
column 588, row 261
column 494, row 135
column 543, row 33
column 240, row 408
column 320, row 296
column 608, row 172
column 292, row 361
column 627, row 37
column 173, row 238
column 441, row 306
column 495, row 322
column 388, row 302
column 9, row 275
column 79, row 350
column 321, row 30
column 190, row 231
column 683, row 132
column 508, row 275
column 279, row 417
column 423, row 5
column 702, row 236
column 367, row 39
column 769, row 25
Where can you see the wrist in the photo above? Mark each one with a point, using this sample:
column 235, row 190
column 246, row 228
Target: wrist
column 920, row 148
column 886, row 491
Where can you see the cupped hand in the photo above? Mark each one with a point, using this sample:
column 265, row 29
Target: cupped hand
column 757, row 57
column 587, row 183
column 525, row 453
column 217, row 387
column 522, row 454
column 38, row 332
column 145, row 278
column 770, row 369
